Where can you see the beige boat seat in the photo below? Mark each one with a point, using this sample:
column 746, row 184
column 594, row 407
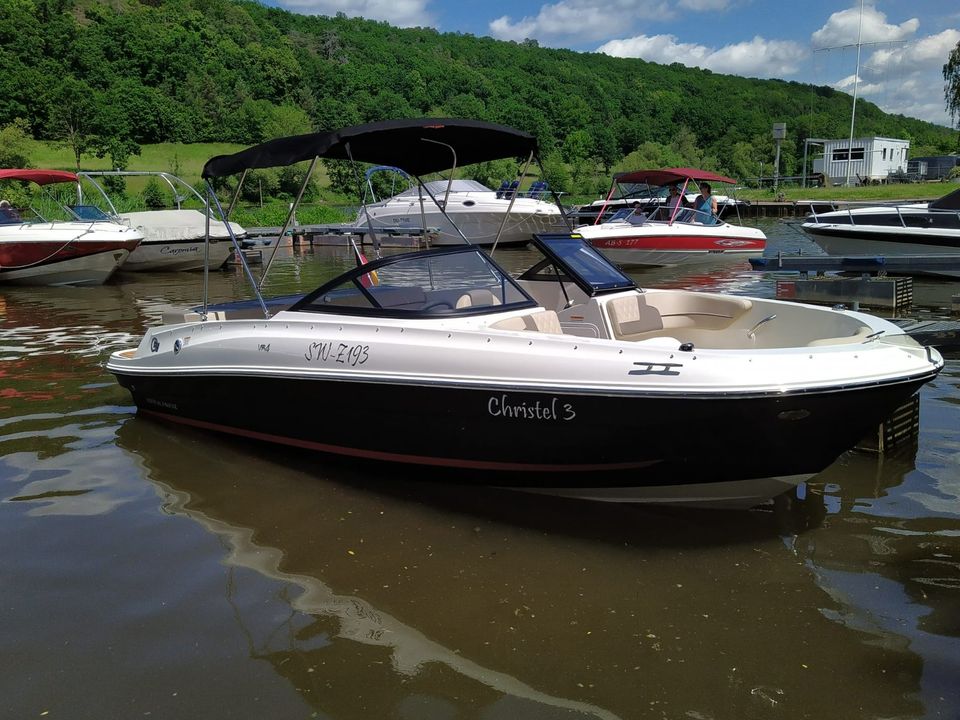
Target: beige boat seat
column 478, row 297
column 633, row 316
column 545, row 321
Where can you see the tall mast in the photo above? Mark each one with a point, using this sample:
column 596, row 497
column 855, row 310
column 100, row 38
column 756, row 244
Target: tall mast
column 856, row 81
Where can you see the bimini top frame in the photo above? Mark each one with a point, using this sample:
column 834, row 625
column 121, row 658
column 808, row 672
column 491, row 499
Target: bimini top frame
column 419, row 146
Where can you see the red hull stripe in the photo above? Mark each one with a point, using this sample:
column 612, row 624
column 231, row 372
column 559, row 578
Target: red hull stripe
column 17, row 254
column 679, row 244
column 396, row 457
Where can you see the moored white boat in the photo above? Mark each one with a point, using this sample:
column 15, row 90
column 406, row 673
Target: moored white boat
column 455, row 211
column 568, row 379
column 174, row 238
column 912, row 229
column 38, row 251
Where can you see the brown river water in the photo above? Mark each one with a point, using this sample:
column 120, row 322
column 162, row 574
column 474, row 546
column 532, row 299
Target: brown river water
column 156, row 571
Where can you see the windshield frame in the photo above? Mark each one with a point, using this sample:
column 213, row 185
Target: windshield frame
column 361, row 279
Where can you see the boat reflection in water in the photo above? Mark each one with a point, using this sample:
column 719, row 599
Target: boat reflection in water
column 408, row 599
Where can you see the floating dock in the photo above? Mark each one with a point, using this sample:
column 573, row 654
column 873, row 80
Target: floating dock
column 334, row 234
column 878, row 264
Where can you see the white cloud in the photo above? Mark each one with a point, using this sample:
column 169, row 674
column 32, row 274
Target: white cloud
column 906, row 78
column 592, row 20
column 842, row 28
column 402, row 13
column 754, row 58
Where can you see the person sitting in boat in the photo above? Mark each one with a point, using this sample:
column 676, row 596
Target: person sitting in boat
column 705, row 206
column 675, row 199
column 637, row 216
column 7, row 212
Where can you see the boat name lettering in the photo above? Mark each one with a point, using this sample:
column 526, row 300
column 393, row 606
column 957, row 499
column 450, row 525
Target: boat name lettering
column 167, row 250
column 328, row 351
column 503, row 406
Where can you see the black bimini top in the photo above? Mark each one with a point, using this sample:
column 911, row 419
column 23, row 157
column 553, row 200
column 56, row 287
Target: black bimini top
column 420, row 146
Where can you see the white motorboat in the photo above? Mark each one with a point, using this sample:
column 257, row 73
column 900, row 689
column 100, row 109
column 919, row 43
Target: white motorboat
column 174, row 238
column 567, row 380
column 912, row 229
column 659, row 234
column 459, row 210
column 56, row 247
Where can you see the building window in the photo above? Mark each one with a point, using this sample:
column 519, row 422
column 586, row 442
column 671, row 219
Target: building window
column 884, row 153
column 842, row 154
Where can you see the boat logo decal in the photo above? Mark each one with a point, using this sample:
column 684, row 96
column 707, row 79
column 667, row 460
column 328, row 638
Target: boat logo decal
column 328, row 351
column 729, row 242
column 154, row 345
column 656, row 368
column 506, row 407
column 263, row 347
column 177, row 345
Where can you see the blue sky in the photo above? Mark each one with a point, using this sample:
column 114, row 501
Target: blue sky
column 904, row 42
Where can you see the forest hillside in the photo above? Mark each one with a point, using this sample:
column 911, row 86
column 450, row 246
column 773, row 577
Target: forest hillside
column 107, row 77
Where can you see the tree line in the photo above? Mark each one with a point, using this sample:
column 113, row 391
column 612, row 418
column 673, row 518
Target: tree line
column 106, row 77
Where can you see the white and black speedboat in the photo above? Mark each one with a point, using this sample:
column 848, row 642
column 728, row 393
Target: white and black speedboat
column 913, row 229
column 568, row 379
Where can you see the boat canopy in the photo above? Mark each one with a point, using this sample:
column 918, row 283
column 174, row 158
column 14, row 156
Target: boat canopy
column 40, row 177
column 670, row 176
column 420, row 146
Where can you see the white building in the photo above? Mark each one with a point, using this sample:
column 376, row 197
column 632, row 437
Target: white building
column 867, row 159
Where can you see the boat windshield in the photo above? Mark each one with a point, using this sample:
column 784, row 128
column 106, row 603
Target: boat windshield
column 445, row 281
column 437, row 188
column 574, row 260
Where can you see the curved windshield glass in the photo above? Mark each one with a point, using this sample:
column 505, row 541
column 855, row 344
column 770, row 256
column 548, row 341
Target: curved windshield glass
column 441, row 282
column 438, row 188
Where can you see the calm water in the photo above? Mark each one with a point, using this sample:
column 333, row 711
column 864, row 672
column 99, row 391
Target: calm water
column 152, row 571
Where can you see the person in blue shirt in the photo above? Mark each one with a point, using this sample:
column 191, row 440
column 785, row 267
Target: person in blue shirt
column 705, row 206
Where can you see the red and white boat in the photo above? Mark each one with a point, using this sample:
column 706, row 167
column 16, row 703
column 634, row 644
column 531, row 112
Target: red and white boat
column 38, row 251
column 653, row 233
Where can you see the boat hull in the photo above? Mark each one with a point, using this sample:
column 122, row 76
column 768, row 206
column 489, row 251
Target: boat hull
column 174, row 240
column 669, row 249
column 79, row 262
column 619, row 447
column 172, row 256
column 845, row 240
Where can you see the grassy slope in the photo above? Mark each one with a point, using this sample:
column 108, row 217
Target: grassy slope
column 187, row 160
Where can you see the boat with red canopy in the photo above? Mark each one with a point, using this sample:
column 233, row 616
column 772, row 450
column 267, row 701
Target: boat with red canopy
column 661, row 223
column 52, row 245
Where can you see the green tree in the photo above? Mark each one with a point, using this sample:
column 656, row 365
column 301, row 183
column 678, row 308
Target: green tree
column 72, row 106
column 14, row 144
